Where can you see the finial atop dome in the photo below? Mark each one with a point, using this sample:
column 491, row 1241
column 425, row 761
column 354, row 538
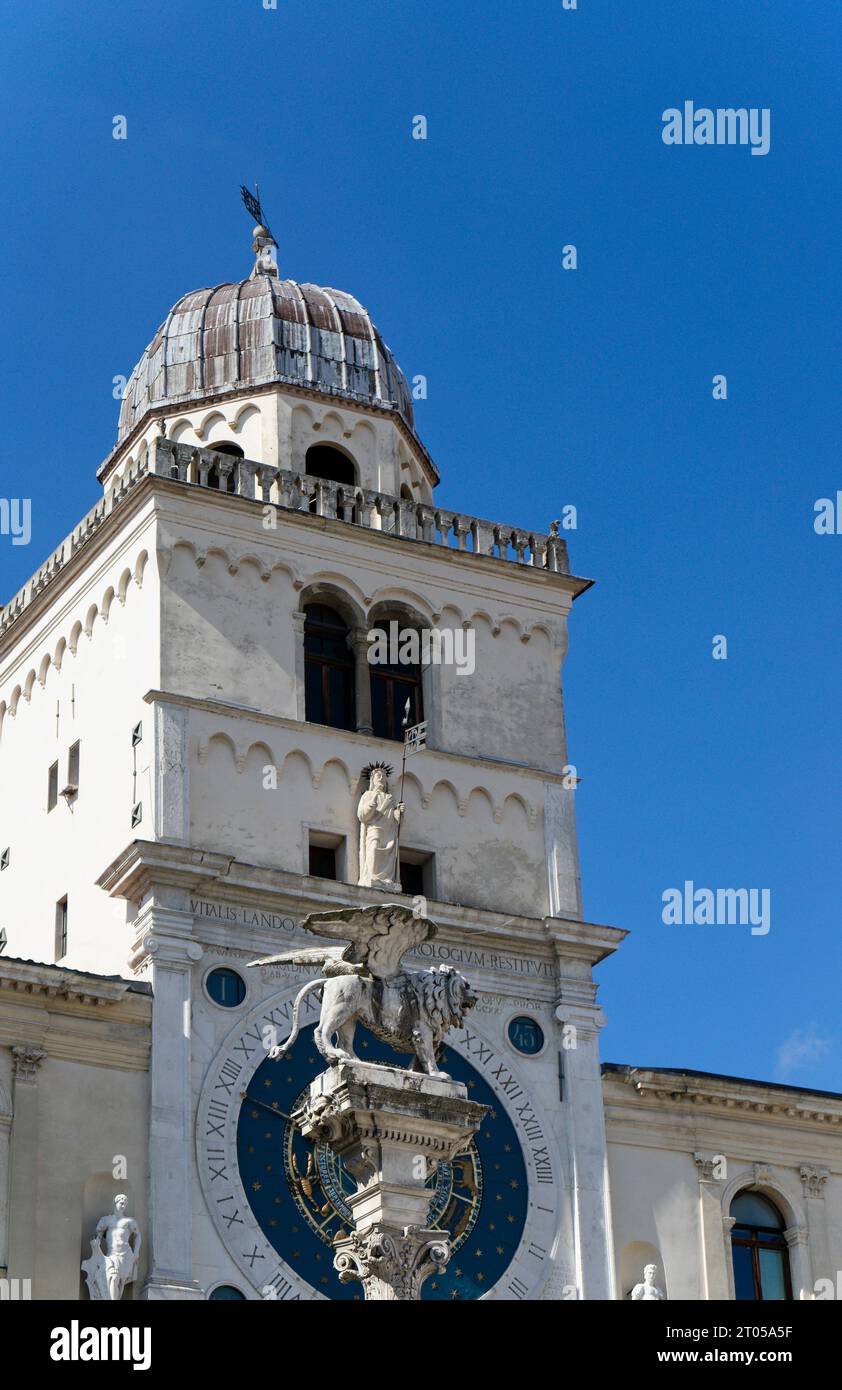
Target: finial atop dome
column 264, row 244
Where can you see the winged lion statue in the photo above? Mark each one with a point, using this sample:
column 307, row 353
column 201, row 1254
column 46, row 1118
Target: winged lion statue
column 362, row 982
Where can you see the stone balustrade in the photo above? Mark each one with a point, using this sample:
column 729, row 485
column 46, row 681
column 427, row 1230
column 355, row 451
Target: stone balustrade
column 360, row 506
column 301, row 492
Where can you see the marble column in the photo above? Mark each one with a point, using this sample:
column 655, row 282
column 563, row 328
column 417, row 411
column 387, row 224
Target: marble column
column 23, row 1186
column 165, row 944
column 358, row 642
column 392, row 1128
column 298, row 621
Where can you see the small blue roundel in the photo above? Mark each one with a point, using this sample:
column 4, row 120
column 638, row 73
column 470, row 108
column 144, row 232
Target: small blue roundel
column 226, row 987
column 526, row 1035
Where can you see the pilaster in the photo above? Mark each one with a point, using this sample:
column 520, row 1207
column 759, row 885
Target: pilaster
column 813, row 1180
column 165, row 946
column 715, row 1252
column 579, row 946
column 23, row 1185
column 172, row 773
column 565, row 889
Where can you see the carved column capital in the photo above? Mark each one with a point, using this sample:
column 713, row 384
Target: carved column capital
column 813, row 1179
column 27, row 1058
column 795, row 1236
column 586, row 1020
column 392, row 1264
column 164, row 939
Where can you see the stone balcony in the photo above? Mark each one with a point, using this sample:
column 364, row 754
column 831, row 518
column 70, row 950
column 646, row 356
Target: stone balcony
column 300, row 492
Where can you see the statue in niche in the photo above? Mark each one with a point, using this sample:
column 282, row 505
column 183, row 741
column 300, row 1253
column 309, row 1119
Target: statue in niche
column 648, row 1291
column 379, row 816
column 108, row 1271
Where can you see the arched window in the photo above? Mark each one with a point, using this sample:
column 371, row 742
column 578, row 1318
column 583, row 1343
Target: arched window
column 760, row 1253
column 218, row 480
column 323, row 461
column 397, row 680
column 328, row 668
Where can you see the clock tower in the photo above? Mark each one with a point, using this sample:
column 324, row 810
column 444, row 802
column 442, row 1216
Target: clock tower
column 266, row 594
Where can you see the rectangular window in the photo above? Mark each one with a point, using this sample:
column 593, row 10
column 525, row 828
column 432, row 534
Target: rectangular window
column 52, row 787
column 325, row 855
column 61, row 929
column 73, row 766
column 416, row 873
column 322, row 861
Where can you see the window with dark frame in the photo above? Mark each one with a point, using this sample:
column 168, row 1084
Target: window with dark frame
column 322, row 862
column 759, row 1251
column 391, row 687
column 328, row 668
column 61, row 929
column 412, row 878
column 52, row 787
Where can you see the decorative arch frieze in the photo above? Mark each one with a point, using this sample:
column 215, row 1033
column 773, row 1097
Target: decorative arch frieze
column 95, row 612
column 461, row 797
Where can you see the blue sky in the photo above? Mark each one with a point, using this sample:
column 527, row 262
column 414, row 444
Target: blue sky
column 546, row 387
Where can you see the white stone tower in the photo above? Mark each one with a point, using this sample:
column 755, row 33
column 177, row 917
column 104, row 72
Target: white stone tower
column 186, row 709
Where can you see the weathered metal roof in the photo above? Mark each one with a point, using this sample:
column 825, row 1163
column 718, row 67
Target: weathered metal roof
column 260, row 330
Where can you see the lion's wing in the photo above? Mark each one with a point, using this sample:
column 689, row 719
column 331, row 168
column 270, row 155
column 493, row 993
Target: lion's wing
column 378, row 937
column 315, row 955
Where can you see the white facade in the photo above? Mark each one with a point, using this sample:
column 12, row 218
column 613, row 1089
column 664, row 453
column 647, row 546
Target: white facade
column 166, row 638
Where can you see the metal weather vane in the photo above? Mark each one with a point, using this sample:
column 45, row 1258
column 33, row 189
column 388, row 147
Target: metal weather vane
column 253, row 206
column 264, row 245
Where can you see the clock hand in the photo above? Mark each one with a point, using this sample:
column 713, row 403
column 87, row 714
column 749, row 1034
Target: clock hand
column 271, row 1109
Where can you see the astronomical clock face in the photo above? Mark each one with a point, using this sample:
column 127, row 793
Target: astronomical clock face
column 279, row 1201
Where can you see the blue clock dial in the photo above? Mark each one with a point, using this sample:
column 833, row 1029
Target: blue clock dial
column 299, row 1191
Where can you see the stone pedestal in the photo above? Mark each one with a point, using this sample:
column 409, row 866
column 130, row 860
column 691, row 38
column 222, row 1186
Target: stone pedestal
column 392, row 1128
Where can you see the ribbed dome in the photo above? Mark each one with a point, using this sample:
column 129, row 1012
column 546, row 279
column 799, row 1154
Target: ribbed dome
column 261, row 330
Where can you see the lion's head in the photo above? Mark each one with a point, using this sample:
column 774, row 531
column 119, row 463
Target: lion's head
column 445, row 996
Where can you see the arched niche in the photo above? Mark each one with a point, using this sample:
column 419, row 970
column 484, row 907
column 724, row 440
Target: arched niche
column 633, row 1260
